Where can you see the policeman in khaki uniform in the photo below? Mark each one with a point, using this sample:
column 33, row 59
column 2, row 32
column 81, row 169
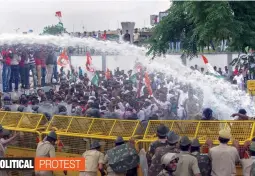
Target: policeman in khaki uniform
column 46, row 148
column 169, row 163
column 3, row 146
column 224, row 157
column 162, row 131
column 187, row 164
column 247, row 163
column 204, row 162
column 110, row 172
column 94, row 160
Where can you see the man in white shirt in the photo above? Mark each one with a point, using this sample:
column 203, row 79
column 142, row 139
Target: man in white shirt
column 121, row 37
column 183, row 96
column 136, row 37
column 239, row 80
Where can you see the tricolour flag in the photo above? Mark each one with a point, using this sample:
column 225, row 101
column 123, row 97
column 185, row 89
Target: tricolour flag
column 210, row 69
column 92, row 74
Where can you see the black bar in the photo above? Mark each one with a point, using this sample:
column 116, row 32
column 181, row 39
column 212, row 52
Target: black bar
column 17, row 163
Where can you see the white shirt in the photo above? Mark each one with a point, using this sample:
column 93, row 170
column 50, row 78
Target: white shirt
column 136, row 37
column 121, row 37
column 182, row 98
column 239, row 79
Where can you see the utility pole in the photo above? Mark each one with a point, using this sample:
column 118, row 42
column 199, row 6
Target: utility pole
column 16, row 30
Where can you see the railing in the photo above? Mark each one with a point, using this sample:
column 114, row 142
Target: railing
column 75, row 134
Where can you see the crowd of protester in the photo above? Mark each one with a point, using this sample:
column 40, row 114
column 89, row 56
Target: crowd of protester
column 118, row 95
column 123, row 36
column 238, row 76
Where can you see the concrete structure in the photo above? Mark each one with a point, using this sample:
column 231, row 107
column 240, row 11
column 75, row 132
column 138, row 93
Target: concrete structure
column 130, row 26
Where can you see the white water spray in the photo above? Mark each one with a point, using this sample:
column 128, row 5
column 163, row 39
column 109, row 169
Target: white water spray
column 218, row 94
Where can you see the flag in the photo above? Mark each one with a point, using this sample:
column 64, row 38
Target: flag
column 133, row 78
column 60, row 145
column 58, row 14
column 205, row 59
column 148, row 83
column 210, row 69
column 95, row 80
column 63, row 59
column 89, row 63
column 108, row 74
column 37, row 139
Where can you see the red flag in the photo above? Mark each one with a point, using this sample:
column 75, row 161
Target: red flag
column 205, row 59
column 88, row 63
column 148, row 83
column 108, row 74
column 60, row 145
column 37, row 139
column 58, row 14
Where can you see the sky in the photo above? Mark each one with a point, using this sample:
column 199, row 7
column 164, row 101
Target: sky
column 77, row 14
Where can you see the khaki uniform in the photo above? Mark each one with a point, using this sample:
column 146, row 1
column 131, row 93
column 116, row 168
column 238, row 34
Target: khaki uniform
column 2, row 153
column 109, row 170
column 92, row 159
column 187, row 165
column 224, row 159
column 45, row 149
column 246, row 166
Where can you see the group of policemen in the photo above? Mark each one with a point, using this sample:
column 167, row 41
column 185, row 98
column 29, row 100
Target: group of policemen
column 169, row 155
column 95, row 160
column 180, row 156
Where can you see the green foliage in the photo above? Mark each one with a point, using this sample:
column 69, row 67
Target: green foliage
column 54, row 29
column 197, row 23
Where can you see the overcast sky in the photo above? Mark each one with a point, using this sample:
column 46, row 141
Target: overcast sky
column 92, row 14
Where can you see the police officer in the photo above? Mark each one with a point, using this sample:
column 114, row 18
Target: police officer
column 162, row 131
column 172, row 147
column 3, row 144
column 94, row 160
column 187, row 164
column 46, row 148
column 119, row 141
column 169, row 163
column 224, row 157
column 204, row 162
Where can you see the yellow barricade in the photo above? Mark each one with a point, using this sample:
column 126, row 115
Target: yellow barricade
column 251, row 87
column 75, row 134
column 95, row 126
column 240, row 130
column 27, row 125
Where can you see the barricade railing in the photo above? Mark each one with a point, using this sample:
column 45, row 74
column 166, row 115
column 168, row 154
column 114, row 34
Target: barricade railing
column 203, row 130
column 75, row 134
column 95, row 126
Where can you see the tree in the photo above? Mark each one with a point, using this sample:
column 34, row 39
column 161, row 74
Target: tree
column 199, row 23
column 54, row 29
